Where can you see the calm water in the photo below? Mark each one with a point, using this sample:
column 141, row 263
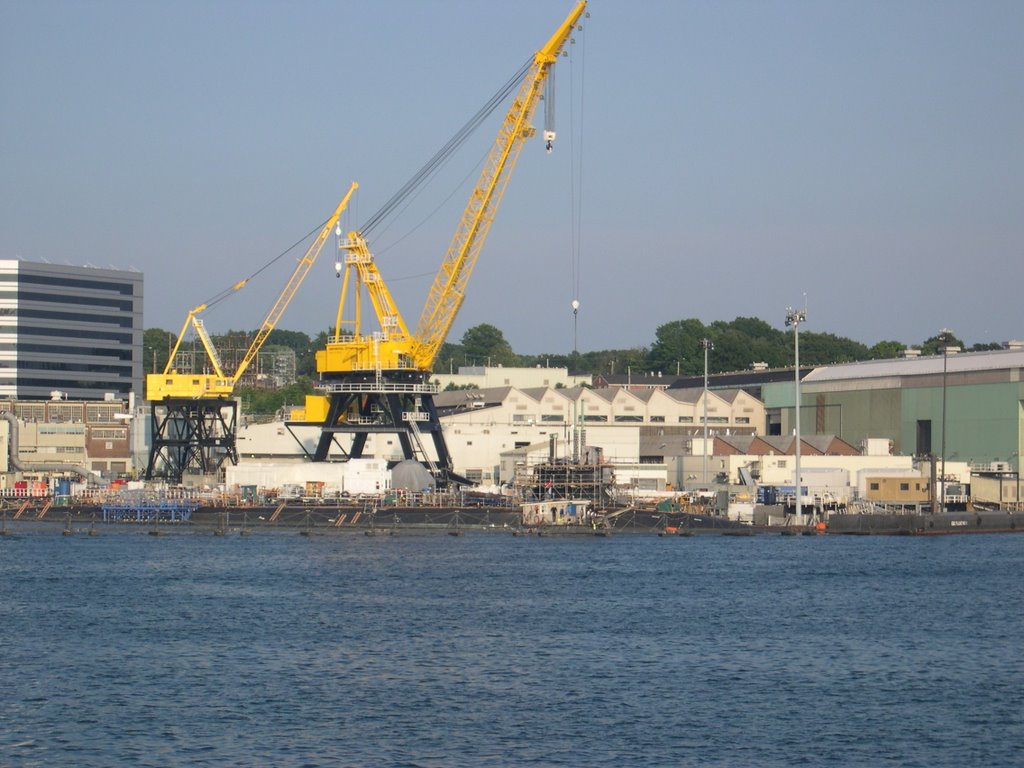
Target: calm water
column 281, row 650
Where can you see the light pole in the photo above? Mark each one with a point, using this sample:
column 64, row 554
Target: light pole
column 944, row 335
column 707, row 345
column 1016, row 499
column 794, row 318
column 575, row 313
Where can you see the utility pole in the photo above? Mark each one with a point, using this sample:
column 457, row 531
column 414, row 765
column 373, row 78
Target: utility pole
column 794, row 318
column 945, row 334
column 707, row 345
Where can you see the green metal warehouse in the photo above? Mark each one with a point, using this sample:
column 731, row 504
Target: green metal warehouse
column 903, row 400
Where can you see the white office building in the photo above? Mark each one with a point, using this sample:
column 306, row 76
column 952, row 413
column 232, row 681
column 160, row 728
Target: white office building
column 76, row 331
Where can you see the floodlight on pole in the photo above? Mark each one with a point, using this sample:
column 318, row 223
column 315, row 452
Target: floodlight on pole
column 944, row 336
column 793, row 318
column 707, row 345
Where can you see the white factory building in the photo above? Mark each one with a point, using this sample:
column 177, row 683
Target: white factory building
column 483, row 424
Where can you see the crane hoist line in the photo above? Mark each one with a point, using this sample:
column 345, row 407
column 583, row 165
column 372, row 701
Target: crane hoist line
column 193, row 416
column 377, row 381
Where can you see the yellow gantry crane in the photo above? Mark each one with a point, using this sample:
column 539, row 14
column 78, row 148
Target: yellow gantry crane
column 379, row 381
column 193, row 416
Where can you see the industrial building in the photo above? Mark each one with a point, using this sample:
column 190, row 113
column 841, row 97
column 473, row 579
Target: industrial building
column 43, row 440
column 961, row 406
column 489, row 430
column 487, row 377
column 484, row 424
column 73, row 330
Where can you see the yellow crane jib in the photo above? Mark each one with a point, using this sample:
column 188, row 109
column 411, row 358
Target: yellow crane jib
column 393, row 347
column 217, row 384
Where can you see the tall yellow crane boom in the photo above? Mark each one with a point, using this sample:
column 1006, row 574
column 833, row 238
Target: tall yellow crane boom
column 449, row 288
column 379, row 382
column 171, row 384
column 394, row 348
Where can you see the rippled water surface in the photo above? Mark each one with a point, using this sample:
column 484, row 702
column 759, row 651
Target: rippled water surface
column 489, row 649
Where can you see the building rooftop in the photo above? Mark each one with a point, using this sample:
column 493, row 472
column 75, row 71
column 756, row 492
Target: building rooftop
column 960, row 362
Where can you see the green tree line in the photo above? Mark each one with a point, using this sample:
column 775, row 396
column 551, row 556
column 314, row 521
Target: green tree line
column 676, row 348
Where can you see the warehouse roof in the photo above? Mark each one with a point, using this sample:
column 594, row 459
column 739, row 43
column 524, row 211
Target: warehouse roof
column 961, row 362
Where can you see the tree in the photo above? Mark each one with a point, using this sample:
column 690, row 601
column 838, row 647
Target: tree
column 156, row 346
column 748, row 340
column 485, row 344
column 677, row 347
column 827, row 348
column 449, row 358
column 886, row 350
column 268, row 401
column 934, row 344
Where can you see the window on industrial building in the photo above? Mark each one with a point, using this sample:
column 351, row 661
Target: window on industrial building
column 596, row 417
column 629, row 418
column 30, row 411
column 904, row 486
column 742, row 419
column 686, row 419
column 874, row 486
column 657, row 419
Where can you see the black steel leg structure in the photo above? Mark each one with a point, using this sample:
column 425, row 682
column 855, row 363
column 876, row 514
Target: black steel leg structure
column 404, row 408
column 191, row 436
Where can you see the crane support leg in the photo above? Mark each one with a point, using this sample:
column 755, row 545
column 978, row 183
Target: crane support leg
column 396, row 408
column 191, row 436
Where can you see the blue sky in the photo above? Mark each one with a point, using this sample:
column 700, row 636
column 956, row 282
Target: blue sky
column 714, row 159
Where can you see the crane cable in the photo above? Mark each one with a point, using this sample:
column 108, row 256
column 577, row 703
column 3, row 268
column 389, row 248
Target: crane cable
column 424, row 173
column 447, row 150
column 576, row 174
column 228, row 291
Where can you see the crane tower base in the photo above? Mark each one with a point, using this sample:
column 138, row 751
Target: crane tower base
column 191, row 436
column 399, row 403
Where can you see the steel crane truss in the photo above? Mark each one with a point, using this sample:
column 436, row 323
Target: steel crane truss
column 191, row 434
column 401, row 404
column 363, row 374
column 194, row 419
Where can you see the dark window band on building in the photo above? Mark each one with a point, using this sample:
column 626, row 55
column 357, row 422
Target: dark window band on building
column 124, row 338
column 57, row 365
column 106, row 318
column 82, row 301
column 69, row 282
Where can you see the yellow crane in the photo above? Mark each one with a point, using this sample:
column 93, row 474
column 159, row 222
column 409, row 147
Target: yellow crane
column 379, row 381
column 193, row 415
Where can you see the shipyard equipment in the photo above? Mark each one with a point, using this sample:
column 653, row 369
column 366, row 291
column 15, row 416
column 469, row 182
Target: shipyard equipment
column 194, row 415
column 379, row 381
